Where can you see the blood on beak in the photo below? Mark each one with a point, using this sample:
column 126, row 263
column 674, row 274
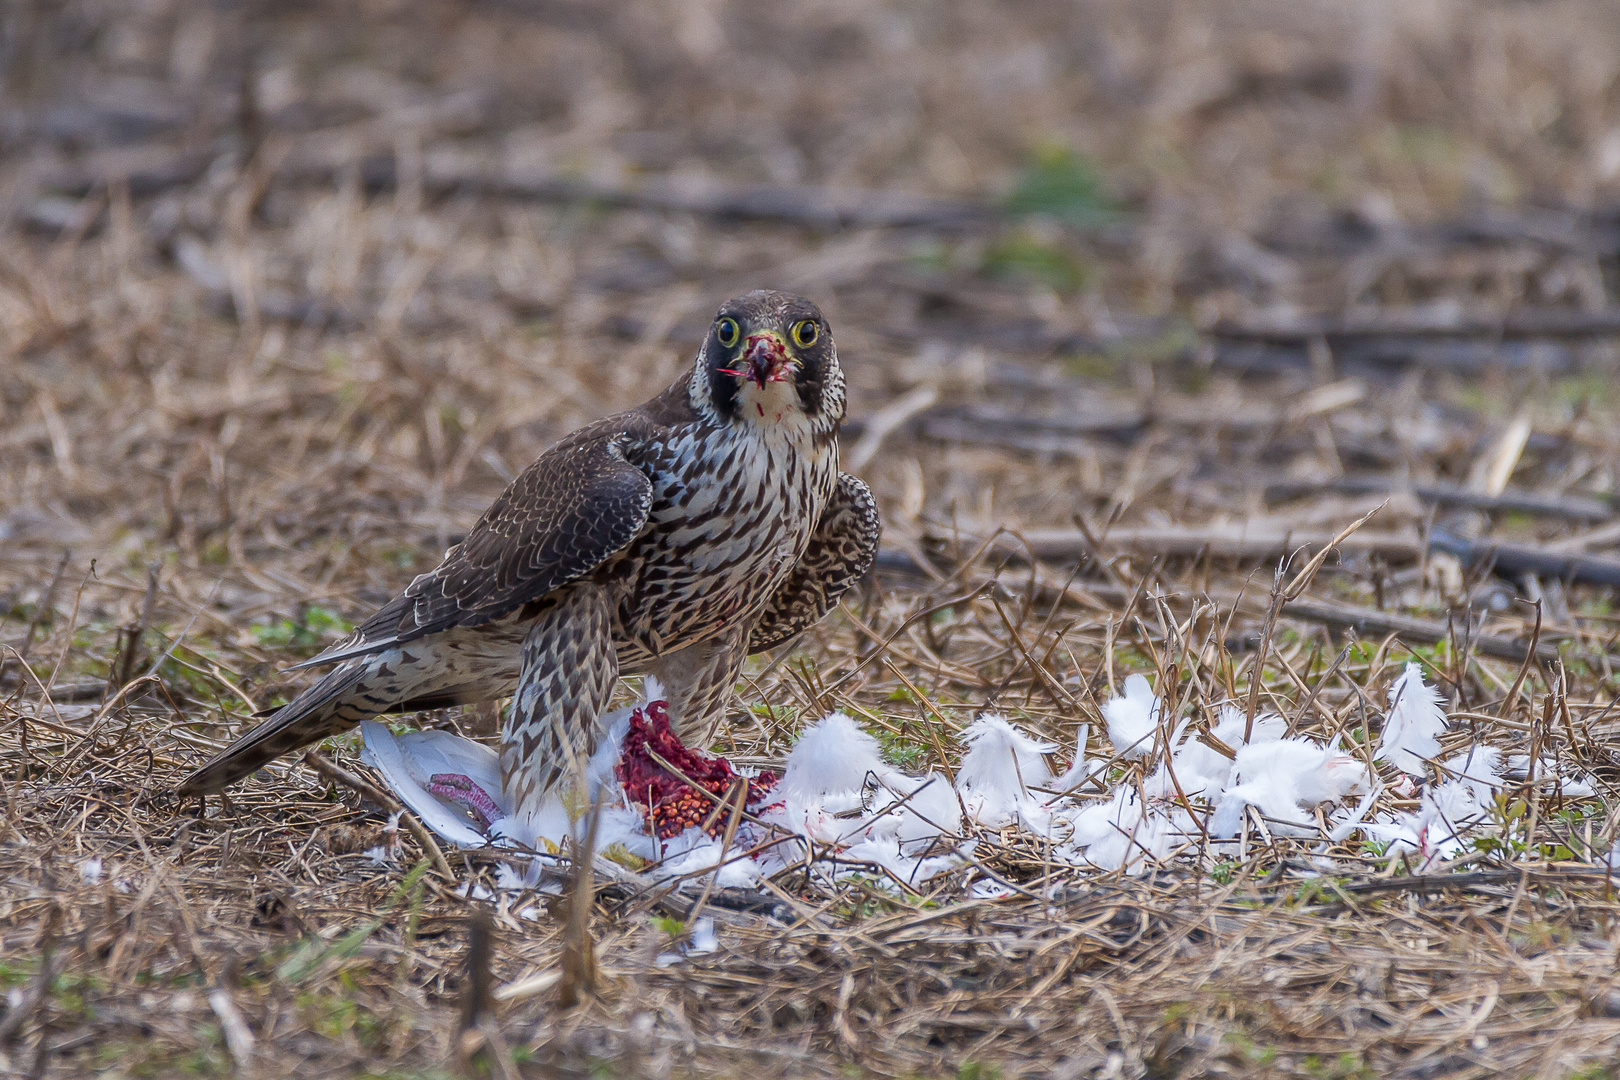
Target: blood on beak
column 765, row 358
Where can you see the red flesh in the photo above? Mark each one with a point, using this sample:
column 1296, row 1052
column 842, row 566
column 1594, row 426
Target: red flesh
column 670, row 803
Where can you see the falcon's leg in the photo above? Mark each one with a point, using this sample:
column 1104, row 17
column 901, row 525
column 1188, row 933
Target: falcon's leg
column 699, row 682
column 569, row 667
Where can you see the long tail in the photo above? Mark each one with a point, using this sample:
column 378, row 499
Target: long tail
column 330, row 707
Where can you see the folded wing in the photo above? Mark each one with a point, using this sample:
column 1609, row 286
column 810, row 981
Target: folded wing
column 567, row 514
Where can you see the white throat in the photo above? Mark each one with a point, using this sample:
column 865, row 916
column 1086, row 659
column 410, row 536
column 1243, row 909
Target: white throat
column 774, row 405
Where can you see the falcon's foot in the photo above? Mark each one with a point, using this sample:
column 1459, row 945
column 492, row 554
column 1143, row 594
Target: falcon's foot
column 677, row 787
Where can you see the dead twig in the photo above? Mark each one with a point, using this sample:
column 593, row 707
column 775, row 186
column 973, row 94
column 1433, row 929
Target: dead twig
column 1508, row 502
column 1372, row 624
column 578, row 962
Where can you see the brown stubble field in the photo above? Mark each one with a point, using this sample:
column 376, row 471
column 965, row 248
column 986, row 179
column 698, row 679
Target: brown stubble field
column 1124, row 290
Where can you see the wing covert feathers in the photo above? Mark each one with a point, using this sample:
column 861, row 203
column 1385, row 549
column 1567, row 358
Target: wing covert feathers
column 579, row 504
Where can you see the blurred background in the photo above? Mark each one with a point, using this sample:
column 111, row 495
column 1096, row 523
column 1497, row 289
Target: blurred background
column 293, row 289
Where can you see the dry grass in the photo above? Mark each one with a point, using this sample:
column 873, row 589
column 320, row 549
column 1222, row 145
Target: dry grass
column 264, row 396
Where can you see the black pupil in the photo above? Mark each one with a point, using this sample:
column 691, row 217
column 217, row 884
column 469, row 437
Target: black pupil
column 728, row 332
column 807, row 332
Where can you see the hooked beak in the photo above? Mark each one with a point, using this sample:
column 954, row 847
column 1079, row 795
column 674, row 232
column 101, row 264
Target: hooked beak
column 765, row 358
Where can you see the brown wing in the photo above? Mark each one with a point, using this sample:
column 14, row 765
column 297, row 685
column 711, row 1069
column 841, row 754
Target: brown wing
column 840, row 553
column 568, row 513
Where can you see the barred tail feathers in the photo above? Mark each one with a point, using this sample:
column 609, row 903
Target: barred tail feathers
column 330, row 707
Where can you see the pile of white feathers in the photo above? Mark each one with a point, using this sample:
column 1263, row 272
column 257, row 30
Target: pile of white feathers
column 1196, row 796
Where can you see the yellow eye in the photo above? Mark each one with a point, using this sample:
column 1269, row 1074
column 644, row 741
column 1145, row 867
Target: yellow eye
column 805, row 332
column 726, row 331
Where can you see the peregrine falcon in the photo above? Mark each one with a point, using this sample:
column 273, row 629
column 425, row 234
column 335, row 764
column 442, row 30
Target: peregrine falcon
column 673, row 540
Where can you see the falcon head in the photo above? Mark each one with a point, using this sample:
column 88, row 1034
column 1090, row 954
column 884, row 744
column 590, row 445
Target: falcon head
column 769, row 361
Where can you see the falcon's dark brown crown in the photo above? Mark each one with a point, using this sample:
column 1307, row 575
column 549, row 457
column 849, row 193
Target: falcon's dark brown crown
column 743, row 340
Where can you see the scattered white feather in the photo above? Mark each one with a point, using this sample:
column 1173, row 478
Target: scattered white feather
column 1133, row 719
column 697, row 856
column 1199, row 768
column 921, row 810
column 1449, row 813
column 997, row 772
column 1283, row 779
column 1438, row 830
column 1232, row 723
column 808, row 818
column 847, row 811
column 508, row 879
column 1548, row 776
column 833, row 755
column 1576, row 788
column 989, row 889
column 1413, row 726
column 703, row 938
column 1081, row 769
column 1100, row 833
column 626, row 827
column 1002, row 757
column 888, row 854
column 1126, row 834
column 90, row 869
column 600, row 774
column 387, row 852
column 379, row 855
column 699, row 940
column 1479, row 769
column 545, row 827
